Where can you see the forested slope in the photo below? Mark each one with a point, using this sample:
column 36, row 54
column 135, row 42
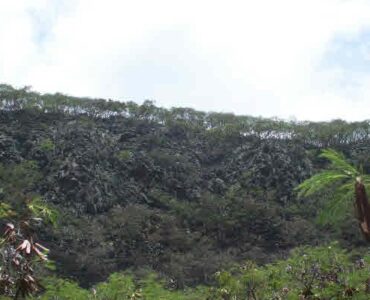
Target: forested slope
column 177, row 191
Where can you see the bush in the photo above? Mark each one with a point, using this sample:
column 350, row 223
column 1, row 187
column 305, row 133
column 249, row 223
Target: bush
column 320, row 273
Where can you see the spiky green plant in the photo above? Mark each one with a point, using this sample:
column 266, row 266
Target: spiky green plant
column 336, row 185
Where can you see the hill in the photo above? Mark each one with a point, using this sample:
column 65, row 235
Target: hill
column 178, row 191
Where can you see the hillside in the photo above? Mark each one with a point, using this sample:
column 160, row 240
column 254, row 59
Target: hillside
column 178, row 191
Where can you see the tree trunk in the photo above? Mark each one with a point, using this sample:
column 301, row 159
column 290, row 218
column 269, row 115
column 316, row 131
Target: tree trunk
column 362, row 209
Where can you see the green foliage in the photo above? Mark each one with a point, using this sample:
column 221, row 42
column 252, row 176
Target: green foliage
column 40, row 209
column 118, row 286
column 20, row 252
column 220, row 125
column 124, row 155
column 59, row 289
column 6, row 211
column 321, row 273
column 338, row 171
column 177, row 191
column 47, row 145
column 325, row 272
column 318, row 182
column 335, row 184
column 16, row 182
column 17, row 178
column 338, row 162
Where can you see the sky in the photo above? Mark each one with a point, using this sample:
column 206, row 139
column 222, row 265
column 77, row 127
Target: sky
column 291, row 59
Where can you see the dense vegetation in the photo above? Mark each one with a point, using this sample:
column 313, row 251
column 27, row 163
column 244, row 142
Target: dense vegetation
column 310, row 273
column 178, row 192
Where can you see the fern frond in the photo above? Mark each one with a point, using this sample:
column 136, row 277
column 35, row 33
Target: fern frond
column 338, row 162
column 365, row 179
column 339, row 181
column 336, row 209
column 346, row 188
column 320, row 182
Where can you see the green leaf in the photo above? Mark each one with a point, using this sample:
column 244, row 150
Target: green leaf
column 6, row 211
column 319, row 182
column 336, row 184
column 39, row 209
column 338, row 162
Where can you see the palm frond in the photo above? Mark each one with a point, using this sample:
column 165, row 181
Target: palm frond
column 346, row 188
column 336, row 209
column 320, row 182
column 339, row 170
column 338, row 162
column 367, row 188
column 365, row 179
column 337, row 188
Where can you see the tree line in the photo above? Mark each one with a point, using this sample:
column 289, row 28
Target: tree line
column 318, row 134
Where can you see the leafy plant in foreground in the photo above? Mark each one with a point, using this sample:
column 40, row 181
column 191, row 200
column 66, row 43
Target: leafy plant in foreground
column 21, row 253
column 320, row 273
column 342, row 183
column 22, row 213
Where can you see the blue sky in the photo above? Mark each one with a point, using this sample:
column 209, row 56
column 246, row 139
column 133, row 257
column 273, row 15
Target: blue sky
column 350, row 56
column 302, row 59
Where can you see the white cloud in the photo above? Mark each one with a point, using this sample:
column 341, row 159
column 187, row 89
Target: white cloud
column 250, row 57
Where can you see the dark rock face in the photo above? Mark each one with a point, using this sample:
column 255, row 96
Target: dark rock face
column 137, row 194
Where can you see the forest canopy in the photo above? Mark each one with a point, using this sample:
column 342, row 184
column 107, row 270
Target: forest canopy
column 324, row 134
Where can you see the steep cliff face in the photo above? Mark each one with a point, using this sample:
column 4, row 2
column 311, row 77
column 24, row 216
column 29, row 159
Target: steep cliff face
column 179, row 197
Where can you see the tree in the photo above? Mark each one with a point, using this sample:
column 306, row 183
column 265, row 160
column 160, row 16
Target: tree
column 342, row 183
